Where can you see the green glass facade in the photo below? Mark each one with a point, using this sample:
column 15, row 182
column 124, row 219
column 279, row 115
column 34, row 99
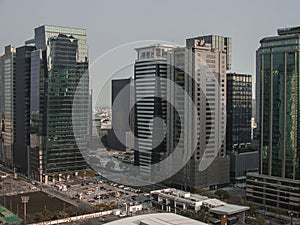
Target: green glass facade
column 277, row 184
column 58, row 64
column 279, row 70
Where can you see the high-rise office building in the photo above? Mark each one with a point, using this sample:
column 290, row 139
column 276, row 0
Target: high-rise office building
column 201, row 71
column 277, row 185
column 7, row 78
column 59, row 68
column 219, row 43
column 150, row 72
column 238, row 127
column 1, row 106
column 238, row 110
column 22, row 108
column 122, row 114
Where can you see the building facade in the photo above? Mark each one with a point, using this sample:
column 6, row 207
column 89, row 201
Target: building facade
column 1, row 106
column 150, row 72
column 238, row 110
column 278, row 183
column 122, row 114
column 7, row 78
column 22, row 108
column 59, row 70
column 219, row 43
column 241, row 163
column 201, row 71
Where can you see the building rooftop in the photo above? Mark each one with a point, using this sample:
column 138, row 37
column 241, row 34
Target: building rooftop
column 228, row 209
column 182, row 195
column 280, row 37
column 154, row 46
column 214, row 205
column 157, row 219
column 288, row 30
column 51, row 26
column 213, row 202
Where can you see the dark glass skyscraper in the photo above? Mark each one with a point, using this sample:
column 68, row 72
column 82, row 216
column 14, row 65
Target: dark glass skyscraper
column 239, row 109
column 122, row 121
column 278, row 183
column 22, row 108
column 59, row 62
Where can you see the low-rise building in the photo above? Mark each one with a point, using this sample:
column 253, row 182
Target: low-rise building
column 176, row 201
column 242, row 162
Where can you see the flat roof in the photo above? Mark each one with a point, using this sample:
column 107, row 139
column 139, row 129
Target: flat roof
column 179, row 194
column 229, row 209
column 280, row 37
column 157, row 219
column 214, row 202
column 288, row 30
column 158, row 45
column 216, row 206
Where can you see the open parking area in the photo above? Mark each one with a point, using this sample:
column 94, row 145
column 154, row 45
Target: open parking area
column 11, row 186
column 81, row 195
column 95, row 192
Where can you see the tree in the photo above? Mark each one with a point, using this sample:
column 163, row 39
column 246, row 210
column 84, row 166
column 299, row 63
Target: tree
column 94, row 160
column 109, row 165
column 207, row 217
column 222, row 194
column 59, row 215
column 253, row 209
column 41, row 216
column 204, row 192
column 258, row 221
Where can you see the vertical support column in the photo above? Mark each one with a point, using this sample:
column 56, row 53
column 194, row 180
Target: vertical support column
column 242, row 217
column 271, row 118
column 284, row 117
column 261, row 124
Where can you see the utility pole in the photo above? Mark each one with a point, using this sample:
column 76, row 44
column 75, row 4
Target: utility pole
column 25, row 200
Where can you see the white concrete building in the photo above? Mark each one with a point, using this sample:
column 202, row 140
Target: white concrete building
column 176, row 201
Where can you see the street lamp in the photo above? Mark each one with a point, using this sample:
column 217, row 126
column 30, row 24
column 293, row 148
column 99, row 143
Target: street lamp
column 25, row 200
column 291, row 215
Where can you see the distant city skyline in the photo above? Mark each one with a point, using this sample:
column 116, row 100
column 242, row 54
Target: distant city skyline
column 111, row 109
column 173, row 21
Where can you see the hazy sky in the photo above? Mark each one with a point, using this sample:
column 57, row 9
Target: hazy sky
column 113, row 23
